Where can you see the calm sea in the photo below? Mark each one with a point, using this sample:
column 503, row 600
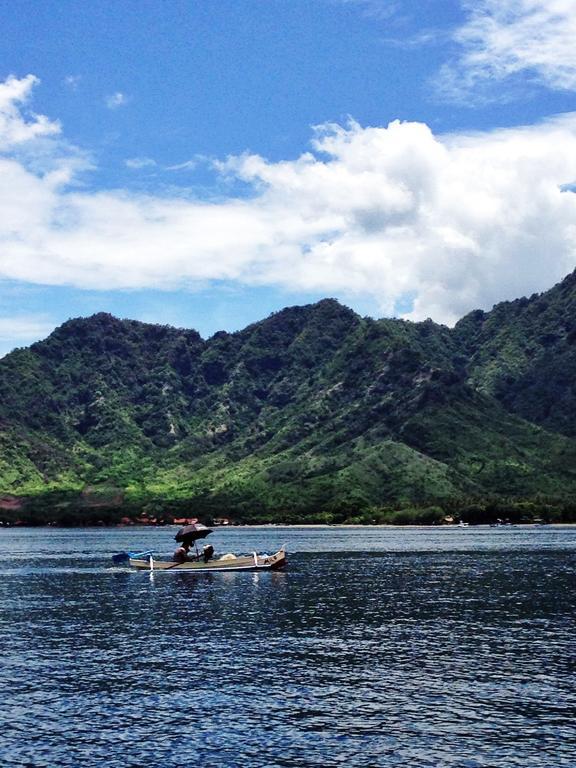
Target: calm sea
column 376, row 647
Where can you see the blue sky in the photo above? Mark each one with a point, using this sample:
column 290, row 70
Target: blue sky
column 205, row 163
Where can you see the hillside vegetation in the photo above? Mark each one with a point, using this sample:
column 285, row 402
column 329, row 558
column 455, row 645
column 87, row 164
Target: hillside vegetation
column 313, row 414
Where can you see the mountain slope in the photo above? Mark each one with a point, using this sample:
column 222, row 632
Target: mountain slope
column 524, row 354
column 312, row 411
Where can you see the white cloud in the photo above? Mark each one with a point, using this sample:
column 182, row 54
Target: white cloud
column 115, row 100
column 72, row 81
column 137, row 163
column 24, row 328
column 504, row 39
column 382, row 10
column 457, row 221
column 15, row 127
column 188, row 165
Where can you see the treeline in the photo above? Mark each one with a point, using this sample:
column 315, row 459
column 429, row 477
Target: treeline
column 67, row 508
column 478, row 512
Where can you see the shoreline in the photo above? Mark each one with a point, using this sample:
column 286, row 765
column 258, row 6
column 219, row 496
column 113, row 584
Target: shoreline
column 305, row 526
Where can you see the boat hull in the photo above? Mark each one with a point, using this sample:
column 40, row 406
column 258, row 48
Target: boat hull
column 248, row 563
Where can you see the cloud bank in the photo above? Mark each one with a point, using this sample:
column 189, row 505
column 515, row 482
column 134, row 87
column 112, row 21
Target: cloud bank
column 394, row 213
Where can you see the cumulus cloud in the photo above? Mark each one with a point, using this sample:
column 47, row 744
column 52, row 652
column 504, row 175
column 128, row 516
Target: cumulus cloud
column 454, row 222
column 504, row 39
column 15, row 127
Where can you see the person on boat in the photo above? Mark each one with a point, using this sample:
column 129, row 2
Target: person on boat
column 207, row 552
column 181, row 553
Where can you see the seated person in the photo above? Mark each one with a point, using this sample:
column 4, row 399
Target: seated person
column 181, row 553
column 207, row 552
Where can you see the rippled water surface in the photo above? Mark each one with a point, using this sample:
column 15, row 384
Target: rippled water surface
column 376, row 647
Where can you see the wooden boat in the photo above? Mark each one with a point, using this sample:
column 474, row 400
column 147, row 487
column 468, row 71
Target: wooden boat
column 228, row 563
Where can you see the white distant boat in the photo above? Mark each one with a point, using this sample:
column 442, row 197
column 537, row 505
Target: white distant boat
column 462, row 524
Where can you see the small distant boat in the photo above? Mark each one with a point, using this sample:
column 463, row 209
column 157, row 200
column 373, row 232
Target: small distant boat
column 462, row 524
column 227, row 563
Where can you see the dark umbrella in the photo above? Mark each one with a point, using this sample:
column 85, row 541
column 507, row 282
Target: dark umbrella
column 191, row 533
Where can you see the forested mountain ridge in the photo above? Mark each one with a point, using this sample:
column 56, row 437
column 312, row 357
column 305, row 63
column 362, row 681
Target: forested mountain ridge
column 312, row 413
column 523, row 353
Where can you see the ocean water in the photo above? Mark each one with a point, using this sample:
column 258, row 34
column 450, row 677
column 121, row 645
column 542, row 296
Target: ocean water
column 376, row 647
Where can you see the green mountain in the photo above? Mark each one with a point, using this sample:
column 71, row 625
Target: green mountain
column 311, row 414
column 523, row 353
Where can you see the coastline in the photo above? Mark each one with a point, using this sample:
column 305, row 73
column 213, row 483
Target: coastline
column 305, row 526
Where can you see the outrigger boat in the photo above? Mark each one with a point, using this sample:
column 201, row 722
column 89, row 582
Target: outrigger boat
column 201, row 562
column 228, row 563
